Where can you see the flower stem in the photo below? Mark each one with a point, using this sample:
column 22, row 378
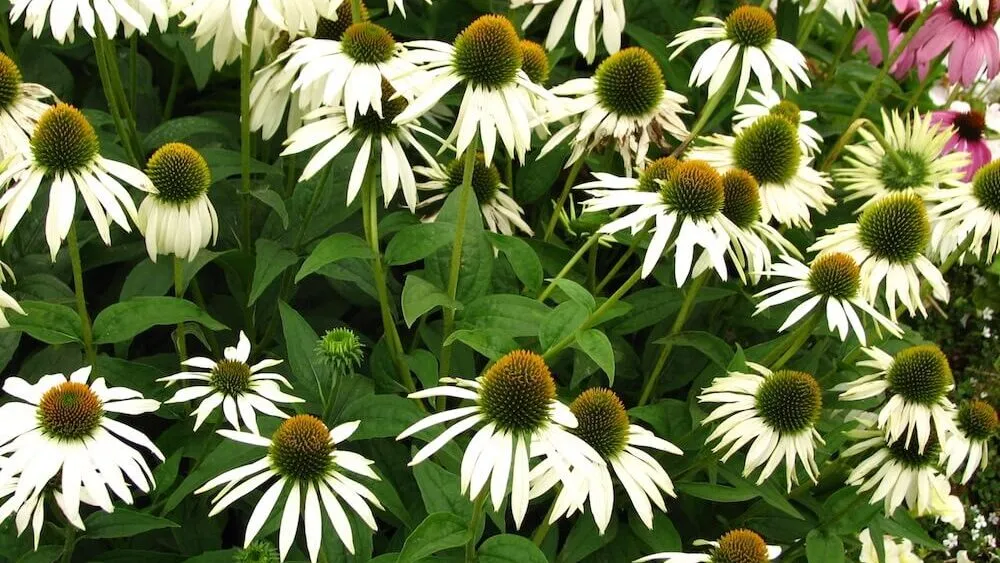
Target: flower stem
column 73, row 244
column 707, row 111
column 780, row 354
column 114, row 91
column 477, row 516
column 574, row 171
column 8, row 47
column 356, row 11
column 175, row 83
column 621, row 261
column 841, row 143
column 246, row 69
column 179, row 293
column 568, row 267
column 542, row 531
column 682, row 316
column 455, row 266
column 594, row 317
column 69, row 543
column 809, row 23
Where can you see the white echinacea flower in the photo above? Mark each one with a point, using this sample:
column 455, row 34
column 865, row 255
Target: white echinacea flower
column 901, row 552
column 967, row 217
column 611, row 14
column 976, row 423
column 741, row 545
column 63, row 16
column 241, row 389
column 303, row 459
column 6, row 300
column 769, row 103
column 224, row 24
column 21, row 106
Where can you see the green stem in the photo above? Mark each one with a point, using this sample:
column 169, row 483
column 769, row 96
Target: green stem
column 542, row 531
column 199, row 298
column 921, row 88
column 133, row 69
column 574, row 171
column 592, row 269
column 594, row 317
column 682, row 316
column 474, row 521
column 246, row 69
column 594, row 238
column 809, row 23
column 847, row 41
column 841, row 143
column 73, row 245
column 69, row 543
column 8, row 47
column 621, row 261
column 356, row 11
column 114, row 91
column 708, row 110
column 175, row 83
column 780, row 354
column 455, row 265
column 179, row 293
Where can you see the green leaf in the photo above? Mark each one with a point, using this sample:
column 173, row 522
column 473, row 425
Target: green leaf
column 879, row 25
column 585, row 539
column 44, row 554
column 417, row 242
column 381, row 416
column 713, row 347
column 508, row 548
column 227, row 455
column 903, row 525
column 273, row 200
column 716, row 493
column 662, row 537
column 657, row 47
column 562, row 322
column 272, row 260
column 765, row 490
column 824, row 548
column 476, row 267
column 650, row 306
column 300, row 343
column 535, row 179
column 438, row 532
column 514, row 314
column 51, row 323
column 123, row 321
column 217, row 556
column 440, row 490
column 124, row 523
column 421, row 296
column 523, row 260
column 334, row 248
column 596, row 345
column 182, row 129
column 577, row 293
column 490, row 343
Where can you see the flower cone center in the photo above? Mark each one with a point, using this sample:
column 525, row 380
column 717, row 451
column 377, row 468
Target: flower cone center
column 601, row 421
column 741, row 203
column 986, row 186
column 911, row 174
column 70, row 411
column 488, row 52
column 970, row 125
column 751, row 26
column 657, row 171
column 978, row 419
column 835, row 275
column 373, row 125
column 769, row 150
column 920, row 374
column 10, row 82
column 908, row 453
column 334, row 29
column 341, row 349
column 787, row 109
column 179, row 173
column 485, row 179
column 230, row 377
column 369, row 43
column 535, row 62
column 301, row 447
column 740, row 546
column 695, row 190
column 517, row 391
column 630, row 83
column 895, row 228
column 789, row 401
column 64, row 141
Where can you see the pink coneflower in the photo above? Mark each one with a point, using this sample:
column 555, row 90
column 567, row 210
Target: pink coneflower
column 971, row 46
column 904, row 6
column 970, row 135
column 898, row 26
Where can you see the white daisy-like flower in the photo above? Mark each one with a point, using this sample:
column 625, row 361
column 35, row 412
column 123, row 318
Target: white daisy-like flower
column 6, row 301
column 748, row 34
column 502, row 214
column 872, row 174
column 520, row 418
column 684, row 202
column 626, row 103
column 60, row 432
column 64, row 16
column 21, row 106
column 224, row 23
column 603, row 424
column 976, row 423
column 769, row 103
column 831, row 283
column 901, row 552
column 742, row 545
column 65, row 153
column 610, row 13
column 305, row 468
column 241, row 389
column 975, row 10
column 852, row 11
column 775, row 413
column 392, row 5
column 329, row 127
column 894, row 471
column 499, row 98
column 968, row 214
column 888, row 243
column 178, row 218
column 916, row 381
column 769, row 149
column 946, row 507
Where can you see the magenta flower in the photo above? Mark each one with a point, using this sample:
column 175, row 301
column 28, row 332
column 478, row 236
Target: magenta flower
column 969, row 136
column 866, row 40
column 904, row 6
column 971, row 46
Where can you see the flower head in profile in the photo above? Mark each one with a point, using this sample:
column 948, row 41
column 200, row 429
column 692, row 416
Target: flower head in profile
column 976, row 423
column 240, row 389
column 625, row 103
column 968, row 213
column 971, row 43
column 603, row 424
column 871, row 173
column 535, row 62
column 178, row 218
column 969, row 133
column 770, row 150
column 888, row 243
column 499, row 98
column 223, row 23
column 769, row 103
column 514, row 405
column 21, row 106
column 595, row 20
column 867, row 40
column 59, row 431
column 775, row 413
column 683, row 201
column 895, row 552
column 737, row 546
column 257, row 552
column 6, row 301
column 501, row 212
column 64, row 17
column 844, row 11
column 303, row 469
column 916, row 382
column 341, row 349
column 65, row 153
column 748, row 38
column 831, row 283
column 391, row 5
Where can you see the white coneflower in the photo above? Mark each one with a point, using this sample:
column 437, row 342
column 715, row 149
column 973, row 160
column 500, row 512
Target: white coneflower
column 502, row 214
column 60, row 432
column 894, row 552
column 178, row 218
column 852, row 11
column 626, row 102
column 888, row 243
column 975, row 10
column 684, row 201
column 769, row 103
column 917, row 381
column 392, row 5
column 241, row 389
column 790, row 189
column 519, row 416
column 64, row 16
column 329, row 127
column 21, row 107
column 968, row 213
column 307, row 469
column 832, row 282
column 976, row 422
column 6, row 301
column 223, row 23
column 499, row 98
column 65, row 153
column 603, row 424
column 775, row 413
column 586, row 33
column 737, row 546
column 535, row 62
column 872, row 174
column 750, row 36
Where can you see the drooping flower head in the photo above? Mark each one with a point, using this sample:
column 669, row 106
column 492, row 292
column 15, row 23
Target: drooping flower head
column 969, row 213
column 901, row 552
column 736, row 546
column 972, row 45
column 976, row 423
column 21, row 106
column 6, row 301
column 64, row 17
column 769, row 103
column 610, row 14
column 223, row 23
column 969, row 135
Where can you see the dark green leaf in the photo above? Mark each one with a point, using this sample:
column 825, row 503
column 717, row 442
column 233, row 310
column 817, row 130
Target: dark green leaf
column 824, row 548
column 713, row 347
column 382, row 416
column 440, row 490
column 332, row 249
column 716, row 493
column 272, row 260
column 273, row 200
column 44, row 554
column 596, row 345
column 49, row 322
column 124, row 523
column 438, row 532
column 577, row 293
column 490, row 343
column 513, row 314
column 417, row 242
column 300, row 342
column 508, row 548
column 183, row 129
column 123, row 321
column 525, row 263
column 420, row 297
column 562, row 322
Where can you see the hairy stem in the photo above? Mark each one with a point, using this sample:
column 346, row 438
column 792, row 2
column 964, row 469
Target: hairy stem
column 73, row 245
column 179, row 293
